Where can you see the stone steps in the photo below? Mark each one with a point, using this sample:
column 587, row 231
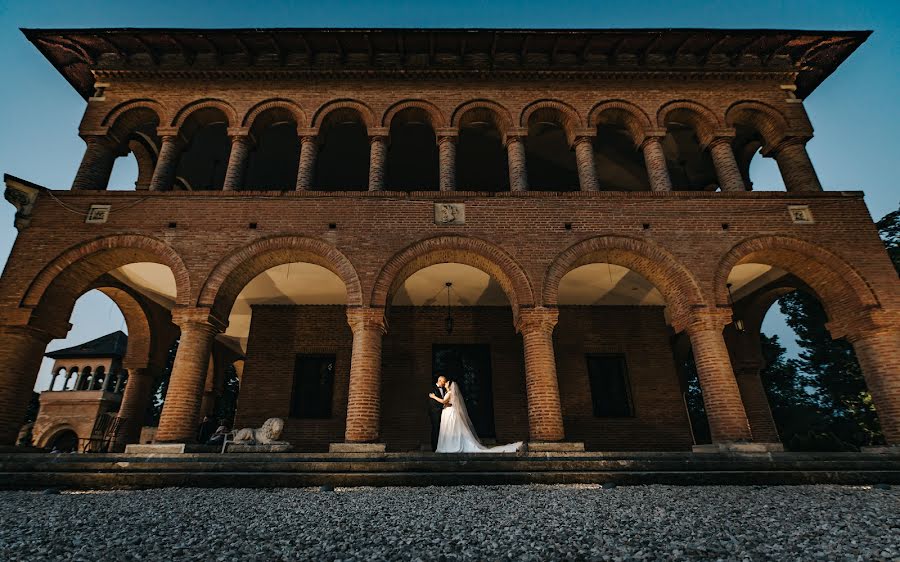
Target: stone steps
column 35, row 471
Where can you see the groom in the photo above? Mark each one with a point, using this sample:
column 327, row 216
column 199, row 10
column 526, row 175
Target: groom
column 434, row 410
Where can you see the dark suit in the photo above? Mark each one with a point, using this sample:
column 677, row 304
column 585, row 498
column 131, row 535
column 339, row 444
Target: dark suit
column 434, row 414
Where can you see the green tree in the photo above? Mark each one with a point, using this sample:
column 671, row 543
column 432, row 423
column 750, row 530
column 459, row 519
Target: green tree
column 154, row 408
column 226, row 405
column 889, row 229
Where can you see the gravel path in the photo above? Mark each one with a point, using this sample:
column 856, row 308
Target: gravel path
column 456, row 523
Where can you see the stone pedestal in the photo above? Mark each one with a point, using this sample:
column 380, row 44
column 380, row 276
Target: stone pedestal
column 555, row 447
column 271, row 448
column 155, row 448
column 739, row 448
column 356, row 448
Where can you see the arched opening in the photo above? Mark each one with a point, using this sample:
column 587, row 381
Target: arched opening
column 615, row 362
column 343, row 158
column 690, row 166
column 549, row 158
column 273, row 163
column 464, row 331
column 412, row 158
column 620, row 165
column 135, row 130
column 204, row 158
column 64, row 441
column 756, row 170
column 480, row 155
column 799, row 385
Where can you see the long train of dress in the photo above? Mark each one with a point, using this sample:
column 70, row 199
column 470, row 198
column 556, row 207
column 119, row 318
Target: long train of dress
column 457, row 434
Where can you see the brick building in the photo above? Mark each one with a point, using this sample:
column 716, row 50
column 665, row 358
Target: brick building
column 558, row 219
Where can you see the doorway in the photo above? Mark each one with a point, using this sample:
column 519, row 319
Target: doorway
column 469, row 365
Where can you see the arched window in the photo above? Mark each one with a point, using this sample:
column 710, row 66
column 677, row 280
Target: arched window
column 412, row 160
column 343, row 158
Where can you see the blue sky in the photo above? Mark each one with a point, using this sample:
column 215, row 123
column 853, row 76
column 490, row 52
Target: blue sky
column 855, row 111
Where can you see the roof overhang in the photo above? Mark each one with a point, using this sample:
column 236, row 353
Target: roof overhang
column 807, row 57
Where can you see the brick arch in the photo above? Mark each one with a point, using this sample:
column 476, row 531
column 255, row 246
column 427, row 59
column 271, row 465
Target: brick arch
column 232, row 274
column 226, row 108
column 137, row 319
column 662, row 269
column 761, row 117
column 54, row 290
column 839, row 287
column 620, row 112
column 701, row 118
column 145, row 103
column 365, row 113
column 435, row 116
column 454, row 249
column 491, row 110
column 560, row 112
column 295, row 110
column 53, row 432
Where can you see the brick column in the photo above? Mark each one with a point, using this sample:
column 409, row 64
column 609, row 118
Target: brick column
column 21, row 351
column 447, row 155
column 180, row 415
column 120, row 379
column 721, row 395
column 364, row 398
column 309, row 149
column 377, row 159
column 655, row 161
column 96, row 164
column 68, row 378
column 107, row 376
column 166, row 164
column 584, row 158
column 53, row 380
column 237, row 161
column 545, row 420
column 878, row 353
column 756, row 402
column 515, row 155
column 796, row 168
column 134, row 403
column 79, row 380
column 727, row 170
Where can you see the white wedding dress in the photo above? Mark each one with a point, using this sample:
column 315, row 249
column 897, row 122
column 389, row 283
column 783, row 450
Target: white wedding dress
column 457, row 434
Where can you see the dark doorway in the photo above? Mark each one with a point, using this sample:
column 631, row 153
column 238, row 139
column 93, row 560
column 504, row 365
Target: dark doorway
column 469, row 366
column 313, row 386
column 65, row 441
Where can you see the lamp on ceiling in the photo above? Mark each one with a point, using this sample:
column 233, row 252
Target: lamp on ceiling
column 448, row 323
column 738, row 323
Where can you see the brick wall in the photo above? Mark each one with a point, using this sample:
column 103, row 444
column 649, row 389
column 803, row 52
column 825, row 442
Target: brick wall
column 278, row 333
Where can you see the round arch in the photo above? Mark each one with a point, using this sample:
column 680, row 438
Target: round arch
column 365, row 113
column 287, row 106
column 620, row 112
column 73, row 272
column 554, row 111
column 226, row 108
column 703, row 120
column 121, row 110
column 431, row 111
column 454, row 249
column 55, row 432
column 137, row 319
column 678, row 287
column 484, row 110
column 230, row 275
column 761, row 117
column 841, row 289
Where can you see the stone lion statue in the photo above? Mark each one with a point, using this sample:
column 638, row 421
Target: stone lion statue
column 268, row 434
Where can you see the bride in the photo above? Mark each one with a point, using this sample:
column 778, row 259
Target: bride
column 457, row 434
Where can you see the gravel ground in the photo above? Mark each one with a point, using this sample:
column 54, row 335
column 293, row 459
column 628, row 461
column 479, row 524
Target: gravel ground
column 456, row 523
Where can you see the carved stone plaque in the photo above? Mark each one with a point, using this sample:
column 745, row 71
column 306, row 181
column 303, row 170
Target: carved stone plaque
column 800, row 214
column 449, row 213
column 98, row 214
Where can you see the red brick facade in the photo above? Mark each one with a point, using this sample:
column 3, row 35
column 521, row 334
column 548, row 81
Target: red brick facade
column 680, row 235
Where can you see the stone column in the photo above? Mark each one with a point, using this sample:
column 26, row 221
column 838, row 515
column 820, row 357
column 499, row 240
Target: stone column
column 237, row 160
column 378, row 140
column 727, row 170
column 545, row 420
column 166, row 163
column 721, row 395
column 79, row 380
column 134, row 403
column 21, row 351
column 364, row 398
column 515, row 154
column 755, row 400
column 796, row 168
column 306, row 170
column 97, row 164
column 584, row 159
column 68, row 377
column 53, row 380
column 120, row 379
column 107, row 376
column 180, row 415
column 878, row 353
column 447, row 154
column 655, row 161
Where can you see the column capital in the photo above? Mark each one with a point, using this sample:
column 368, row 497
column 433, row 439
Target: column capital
column 702, row 319
column 164, row 132
column 582, row 139
column 537, row 319
column 772, row 150
column 201, row 317
column 240, row 134
column 649, row 135
column 446, row 132
column 514, row 134
column 305, row 132
column 364, row 318
column 864, row 324
column 378, row 133
column 719, row 136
